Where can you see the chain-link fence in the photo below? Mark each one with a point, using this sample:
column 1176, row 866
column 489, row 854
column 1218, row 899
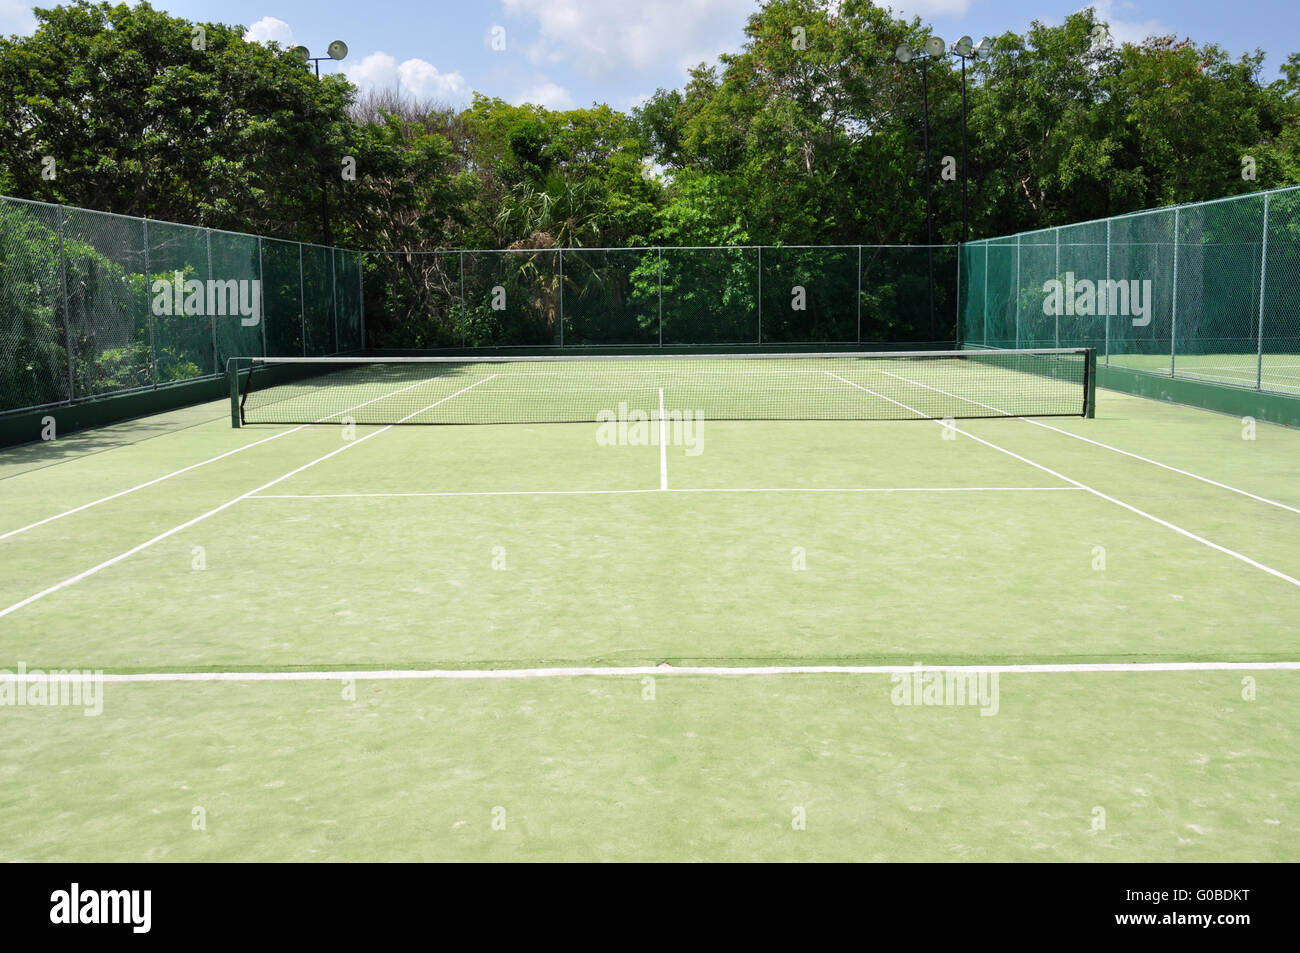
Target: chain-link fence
column 94, row 304
column 669, row 296
column 1208, row 291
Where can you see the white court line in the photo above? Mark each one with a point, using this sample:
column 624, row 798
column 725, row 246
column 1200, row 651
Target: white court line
column 1238, row 367
column 193, row 466
column 663, row 444
column 114, row 496
column 1048, row 668
column 791, row 489
column 1098, row 443
column 71, row 580
column 1110, row 499
column 1239, row 370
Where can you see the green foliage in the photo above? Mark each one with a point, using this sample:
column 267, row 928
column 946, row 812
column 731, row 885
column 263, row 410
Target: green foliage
column 809, row 134
column 138, row 120
column 33, row 371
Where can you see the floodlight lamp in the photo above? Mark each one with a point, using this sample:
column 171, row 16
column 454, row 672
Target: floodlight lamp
column 903, row 54
column 984, row 49
column 963, row 47
column 337, row 50
column 935, row 46
column 301, row 52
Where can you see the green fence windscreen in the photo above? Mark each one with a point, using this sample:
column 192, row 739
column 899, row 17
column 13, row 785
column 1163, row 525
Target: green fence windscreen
column 33, row 320
column 1208, row 291
column 648, row 297
column 94, row 304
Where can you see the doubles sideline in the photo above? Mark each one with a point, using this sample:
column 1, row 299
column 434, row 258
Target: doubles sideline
column 1063, row 668
column 72, row 580
column 1060, row 476
column 1098, row 443
column 663, row 461
column 193, row 466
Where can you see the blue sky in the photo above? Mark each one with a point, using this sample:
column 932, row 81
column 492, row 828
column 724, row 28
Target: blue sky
column 563, row 53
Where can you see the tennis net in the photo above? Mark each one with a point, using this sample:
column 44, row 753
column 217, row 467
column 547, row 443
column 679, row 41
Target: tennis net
column 890, row 385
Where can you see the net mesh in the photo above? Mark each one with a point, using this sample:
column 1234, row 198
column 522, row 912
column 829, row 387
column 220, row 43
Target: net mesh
column 611, row 297
column 107, row 312
column 318, row 301
column 282, row 286
column 837, row 386
column 234, row 259
column 347, row 293
column 183, row 339
column 33, row 330
column 512, row 298
column 1208, row 291
column 645, row 297
column 810, row 295
column 94, row 304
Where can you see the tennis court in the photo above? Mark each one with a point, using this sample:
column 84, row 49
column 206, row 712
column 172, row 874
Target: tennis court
column 1272, row 372
column 670, row 638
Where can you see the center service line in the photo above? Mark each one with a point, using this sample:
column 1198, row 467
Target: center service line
column 663, row 445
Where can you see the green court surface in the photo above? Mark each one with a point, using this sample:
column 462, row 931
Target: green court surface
column 343, row 644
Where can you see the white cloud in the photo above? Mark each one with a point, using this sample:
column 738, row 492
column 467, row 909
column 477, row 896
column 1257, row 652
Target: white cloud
column 1127, row 31
column 628, row 103
column 269, row 28
column 16, row 17
column 414, row 77
column 603, row 38
column 546, row 93
column 422, row 79
column 906, row 9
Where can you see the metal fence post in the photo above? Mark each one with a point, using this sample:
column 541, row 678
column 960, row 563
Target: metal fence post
column 67, row 308
column 859, row 294
column 1173, row 306
column 153, row 347
column 1017, row 289
column 660, row 252
column 1056, row 233
column 464, row 312
column 1108, row 287
column 361, row 296
column 334, row 294
column 561, row 297
column 760, row 294
column 986, row 293
column 1263, row 272
column 212, row 318
column 261, row 294
column 302, row 302
column 957, row 326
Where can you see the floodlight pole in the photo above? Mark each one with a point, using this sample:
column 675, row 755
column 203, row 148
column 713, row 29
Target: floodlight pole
column 965, row 176
column 934, row 47
column 324, row 176
column 326, row 236
column 966, row 50
column 925, row 140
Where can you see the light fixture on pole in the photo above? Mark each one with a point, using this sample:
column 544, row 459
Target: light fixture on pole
column 337, row 50
column 933, row 48
column 965, row 49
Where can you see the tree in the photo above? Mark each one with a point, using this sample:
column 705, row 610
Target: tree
column 147, row 114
